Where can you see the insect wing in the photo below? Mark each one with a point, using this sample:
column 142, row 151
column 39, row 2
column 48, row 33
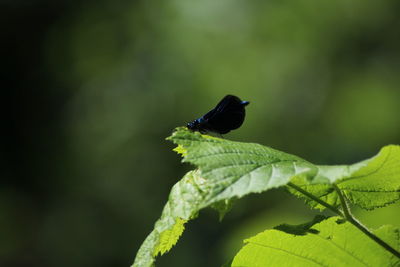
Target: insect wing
column 227, row 115
column 229, row 102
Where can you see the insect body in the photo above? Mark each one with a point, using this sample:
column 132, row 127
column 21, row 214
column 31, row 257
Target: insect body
column 226, row 116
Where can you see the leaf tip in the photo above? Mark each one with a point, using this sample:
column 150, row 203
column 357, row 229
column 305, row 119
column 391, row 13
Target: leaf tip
column 168, row 238
column 180, row 150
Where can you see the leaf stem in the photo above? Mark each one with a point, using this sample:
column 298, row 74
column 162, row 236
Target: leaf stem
column 343, row 201
column 350, row 218
column 316, row 199
column 347, row 215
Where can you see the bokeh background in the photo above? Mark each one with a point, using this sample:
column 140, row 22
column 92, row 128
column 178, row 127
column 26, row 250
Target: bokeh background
column 92, row 88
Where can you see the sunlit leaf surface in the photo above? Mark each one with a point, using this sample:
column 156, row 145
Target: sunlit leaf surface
column 331, row 242
column 227, row 170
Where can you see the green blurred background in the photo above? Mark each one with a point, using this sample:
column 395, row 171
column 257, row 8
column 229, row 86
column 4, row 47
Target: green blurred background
column 92, row 88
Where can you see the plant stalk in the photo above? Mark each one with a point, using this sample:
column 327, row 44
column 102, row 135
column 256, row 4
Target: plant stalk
column 316, row 199
column 351, row 219
column 346, row 214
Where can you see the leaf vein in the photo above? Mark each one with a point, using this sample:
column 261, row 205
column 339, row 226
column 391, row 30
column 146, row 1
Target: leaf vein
column 372, row 172
column 235, row 152
column 290, row 253
column 330, row 241
column 373, row 190
column 227, row 166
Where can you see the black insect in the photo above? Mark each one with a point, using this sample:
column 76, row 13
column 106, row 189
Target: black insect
column 226, row 116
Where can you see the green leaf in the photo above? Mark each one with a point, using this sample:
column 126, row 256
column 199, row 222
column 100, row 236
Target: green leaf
column 168, row 238
column 237, row 168
column 331, row 242
column 370, row 183
column 229, row 170
column 182, row 205
column 377, row 184
column 300, row 229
